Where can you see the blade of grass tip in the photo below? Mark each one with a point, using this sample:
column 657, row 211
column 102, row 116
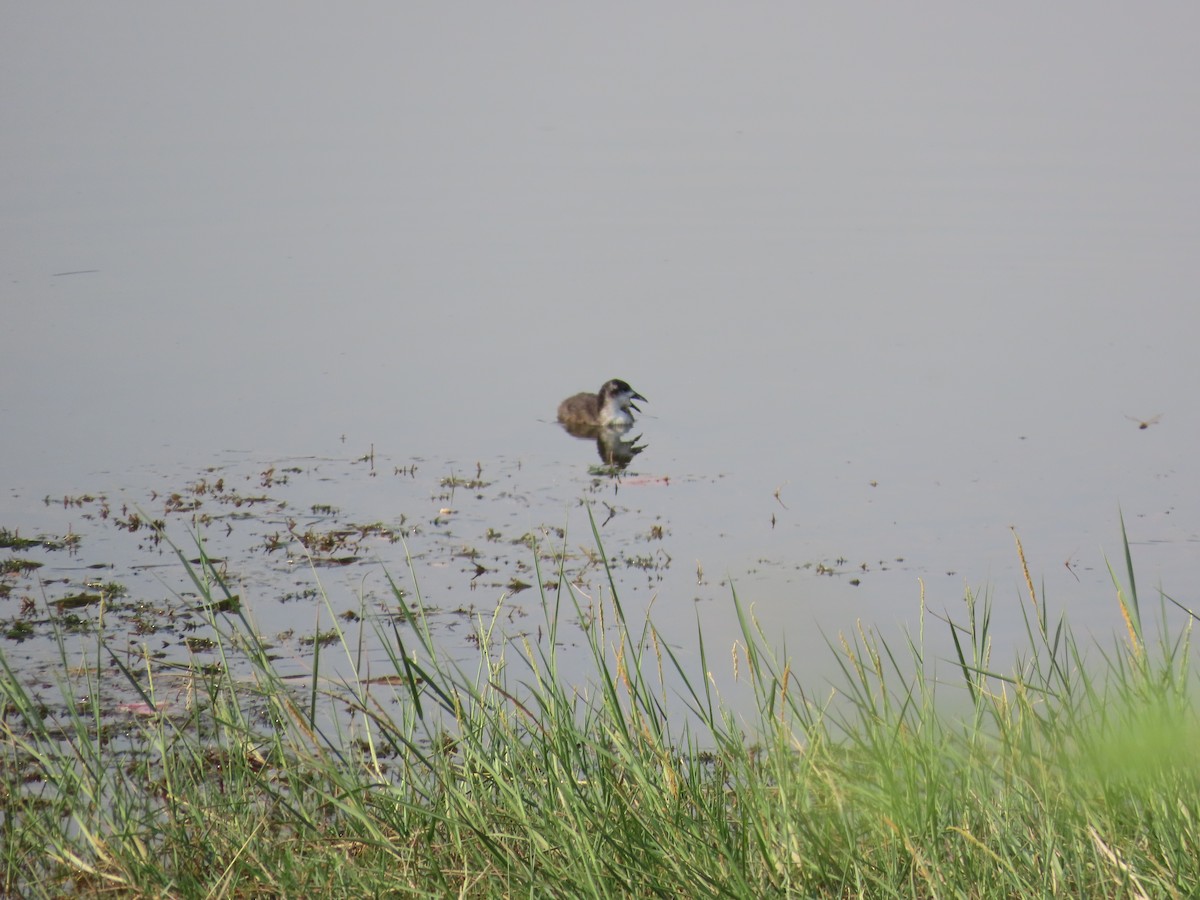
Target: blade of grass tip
column 551, row 620
column 711, row 716
column 748, row 633
column 913, row 688
column 700, row 707
column 421, row 623
column 1187, row 610
column 544, row 651
column 400, row 655
column 962, row 663
column 445, row 685
column 1062, row 640
column 94, row 689
column 353, row 681
column 396, row 737
column 88, row 743
column 1133, row 597
column 1023, row 684
column 130, row 677
column 415, row 674
column 595, row 637
column 316, row 667
column 204, row 588
column 360, row 649
column 604, row 559
column 254, row 645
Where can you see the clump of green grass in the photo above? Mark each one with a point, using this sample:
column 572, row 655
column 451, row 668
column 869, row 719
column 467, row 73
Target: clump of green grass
column 17, row 566
column 12, row 540
column 500, row 778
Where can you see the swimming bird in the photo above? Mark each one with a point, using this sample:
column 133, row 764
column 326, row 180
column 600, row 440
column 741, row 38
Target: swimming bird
column 607, row 408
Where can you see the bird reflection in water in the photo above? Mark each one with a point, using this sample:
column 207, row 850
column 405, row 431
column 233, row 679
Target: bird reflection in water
column 605, row 417
column 614, row 444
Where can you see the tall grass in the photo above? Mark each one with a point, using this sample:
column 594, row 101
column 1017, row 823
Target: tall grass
column 1073, row 774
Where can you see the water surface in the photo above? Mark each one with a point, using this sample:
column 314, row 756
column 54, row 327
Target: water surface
column 893, row 284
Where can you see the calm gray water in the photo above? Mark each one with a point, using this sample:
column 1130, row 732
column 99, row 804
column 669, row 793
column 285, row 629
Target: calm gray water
column 893, row 283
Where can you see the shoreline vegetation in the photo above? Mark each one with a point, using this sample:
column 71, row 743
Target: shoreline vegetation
column 1075, row 773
